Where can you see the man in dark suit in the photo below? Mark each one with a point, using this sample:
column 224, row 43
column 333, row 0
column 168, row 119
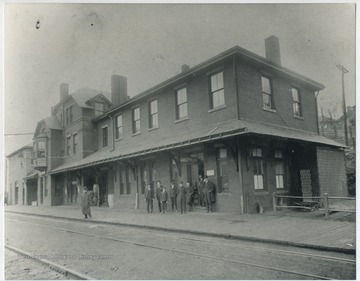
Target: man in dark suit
column 182, row 195
column 148, row 197
column 159, row 188
column 174, row 191
column 209, row 193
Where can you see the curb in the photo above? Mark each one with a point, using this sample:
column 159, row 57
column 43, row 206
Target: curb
column 203, row 233
column 73, row 274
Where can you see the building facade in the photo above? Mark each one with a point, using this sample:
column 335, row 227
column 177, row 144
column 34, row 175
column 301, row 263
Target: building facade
column 243, row 120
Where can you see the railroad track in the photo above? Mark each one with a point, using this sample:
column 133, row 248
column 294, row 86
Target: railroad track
column 212, row 257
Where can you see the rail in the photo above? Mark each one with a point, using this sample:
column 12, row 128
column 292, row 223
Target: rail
column 312, row 203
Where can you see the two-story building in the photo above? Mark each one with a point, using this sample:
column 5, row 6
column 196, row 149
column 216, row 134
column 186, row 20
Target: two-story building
column 247, row 122
column 18, row 168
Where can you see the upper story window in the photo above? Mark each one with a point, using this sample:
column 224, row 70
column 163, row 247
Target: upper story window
column 153, row 114
column 119, row 127
column 258, row 165
column 296, row 102
column 136, row 120
column 69, row 115
column 105, row 136
column 267, row 93
column 181, row 103
column 68, row 145
column 75, row 143
column 99, row 108
column 41, row 149
column 217, row 98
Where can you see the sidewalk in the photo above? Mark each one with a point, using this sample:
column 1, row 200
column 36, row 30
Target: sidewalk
column 267, row 227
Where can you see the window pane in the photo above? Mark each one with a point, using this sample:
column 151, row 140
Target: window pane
column 296, row 109
column 295, row 94
column 119, row 121
column 266, row 101
column 222, row 153
column 279, row 181
column 155, row 120
column 213, row 83
column 153, row 107
column 266, row 85
column 221, row 97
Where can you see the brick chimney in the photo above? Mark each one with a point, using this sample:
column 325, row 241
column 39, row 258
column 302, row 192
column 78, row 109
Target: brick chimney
column 185, row 68
column 64, row 91
column 118, row 90
column 272, row 49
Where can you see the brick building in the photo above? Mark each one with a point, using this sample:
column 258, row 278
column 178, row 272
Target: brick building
column 245, row 121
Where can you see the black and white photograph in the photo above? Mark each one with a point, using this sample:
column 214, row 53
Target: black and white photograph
column 179, row 141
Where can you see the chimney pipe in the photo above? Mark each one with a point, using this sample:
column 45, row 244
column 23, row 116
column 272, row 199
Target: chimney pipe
column 272, row 49
column 185, row 68
column 64, row 91
column 118, row 90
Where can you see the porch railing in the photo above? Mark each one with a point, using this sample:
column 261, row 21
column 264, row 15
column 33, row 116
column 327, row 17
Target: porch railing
column 322, row 203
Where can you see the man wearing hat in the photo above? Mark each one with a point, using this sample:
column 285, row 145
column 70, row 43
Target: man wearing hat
column 209, row 193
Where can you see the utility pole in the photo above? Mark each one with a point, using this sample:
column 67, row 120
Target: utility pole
column 343, row 71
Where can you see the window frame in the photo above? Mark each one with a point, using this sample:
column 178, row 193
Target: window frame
column 104, row 137
column 259, row 162
column 99, row 112
column 75, row 144
column 298, row 102
column 216, row 91
column 279, row 159
column 269, row 94
column 119, row 135
column 184, row 103
column 68, row 145
column 153, row 115
column 134, row 121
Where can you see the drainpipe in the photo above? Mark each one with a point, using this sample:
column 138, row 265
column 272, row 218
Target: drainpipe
column 236, row 88
column 317, row 116
column 113, row 133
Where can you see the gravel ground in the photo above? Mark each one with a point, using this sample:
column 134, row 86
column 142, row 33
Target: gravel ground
column 17, row 267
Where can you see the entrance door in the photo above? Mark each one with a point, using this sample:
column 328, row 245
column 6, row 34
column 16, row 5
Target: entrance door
column 103, row 189
column 16, row 193
column 23, row 195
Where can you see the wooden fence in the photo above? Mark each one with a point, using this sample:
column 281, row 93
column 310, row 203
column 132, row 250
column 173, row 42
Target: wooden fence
column 313, row 203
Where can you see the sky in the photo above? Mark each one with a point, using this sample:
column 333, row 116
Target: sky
column 84, row 44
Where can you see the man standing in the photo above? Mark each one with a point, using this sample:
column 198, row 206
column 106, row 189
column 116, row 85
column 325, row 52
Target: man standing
column 148, row 197
column 190, row 194
column 159, row 188
column 201, row 191
column 182, row 194
column 164, row 199
column 85, row 203
column 209, row 193
column 174, row 191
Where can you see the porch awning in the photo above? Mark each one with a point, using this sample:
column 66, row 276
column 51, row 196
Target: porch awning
column 222, row 130
column 32, row 175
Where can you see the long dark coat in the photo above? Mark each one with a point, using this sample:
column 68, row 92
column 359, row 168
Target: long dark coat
column 209, row 192
column 86, row 202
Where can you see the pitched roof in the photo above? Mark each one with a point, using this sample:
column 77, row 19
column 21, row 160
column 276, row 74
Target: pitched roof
column 52, row 123
column 28, row 146
column 215, row 131
column 83, row 95
column 241, row 52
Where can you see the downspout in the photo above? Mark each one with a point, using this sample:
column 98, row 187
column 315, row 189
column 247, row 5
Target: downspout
column 113, row 133
column 242, row 196
column 317, row 115
column 236, row 89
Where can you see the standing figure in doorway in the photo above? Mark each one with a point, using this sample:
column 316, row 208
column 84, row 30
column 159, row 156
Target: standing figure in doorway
column 85, row 203
column 174, row 191
column 182, row 194
column 209, row 193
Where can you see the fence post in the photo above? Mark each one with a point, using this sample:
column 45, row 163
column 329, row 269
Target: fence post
column 274, row 202
column 326, row 204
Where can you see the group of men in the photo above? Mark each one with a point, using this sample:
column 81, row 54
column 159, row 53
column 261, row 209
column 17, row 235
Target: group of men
column 205, row 189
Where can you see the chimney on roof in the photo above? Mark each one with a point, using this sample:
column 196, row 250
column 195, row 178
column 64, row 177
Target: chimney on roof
column 185, row 68
column 272, row 49
column 64, row 91
column 118, row 90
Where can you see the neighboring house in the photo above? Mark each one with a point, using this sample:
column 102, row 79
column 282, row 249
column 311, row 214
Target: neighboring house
column 19, row 166
column 245, row 121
